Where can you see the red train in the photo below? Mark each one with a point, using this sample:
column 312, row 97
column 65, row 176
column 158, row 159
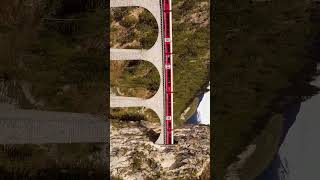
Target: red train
column 167, row 18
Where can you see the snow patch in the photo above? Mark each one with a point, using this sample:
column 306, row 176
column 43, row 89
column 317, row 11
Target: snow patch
column 203, row 109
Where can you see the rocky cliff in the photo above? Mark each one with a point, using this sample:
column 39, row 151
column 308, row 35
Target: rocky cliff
column 135, row 156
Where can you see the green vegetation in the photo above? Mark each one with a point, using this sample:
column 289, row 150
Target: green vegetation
column 57, row 47
column 191, row 53
column 267, row 141
column 193, row 108
column 132, row 114
column 137, row 158
column 116, row 178
column 133, row 28
column 136, row 78
column 261, row 64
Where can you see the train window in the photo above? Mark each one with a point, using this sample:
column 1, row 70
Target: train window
column 168, row 24
column 169, row 109
column 168, row 60
column 168, row 99
column 169, row 76
column 168, row 48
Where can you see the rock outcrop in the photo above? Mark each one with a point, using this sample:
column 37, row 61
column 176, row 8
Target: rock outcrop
column 135, row 156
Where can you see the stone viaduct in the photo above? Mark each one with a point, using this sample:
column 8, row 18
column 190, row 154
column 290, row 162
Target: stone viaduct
column 153, row 55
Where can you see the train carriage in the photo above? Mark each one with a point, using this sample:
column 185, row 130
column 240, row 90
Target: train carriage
column 167, row 30
column 167, row 5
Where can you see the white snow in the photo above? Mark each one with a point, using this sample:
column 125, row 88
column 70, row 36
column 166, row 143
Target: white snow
column 203, row 109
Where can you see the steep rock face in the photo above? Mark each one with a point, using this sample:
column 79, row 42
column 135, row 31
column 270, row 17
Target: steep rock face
column 135, row 156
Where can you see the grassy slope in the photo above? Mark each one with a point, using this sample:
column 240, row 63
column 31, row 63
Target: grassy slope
column 51, row 54
column 267, row 143
column 191, row 52
column 259, row 48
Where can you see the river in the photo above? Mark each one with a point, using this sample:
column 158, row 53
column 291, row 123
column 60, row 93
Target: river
column 298, row 158
column 202, row 114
